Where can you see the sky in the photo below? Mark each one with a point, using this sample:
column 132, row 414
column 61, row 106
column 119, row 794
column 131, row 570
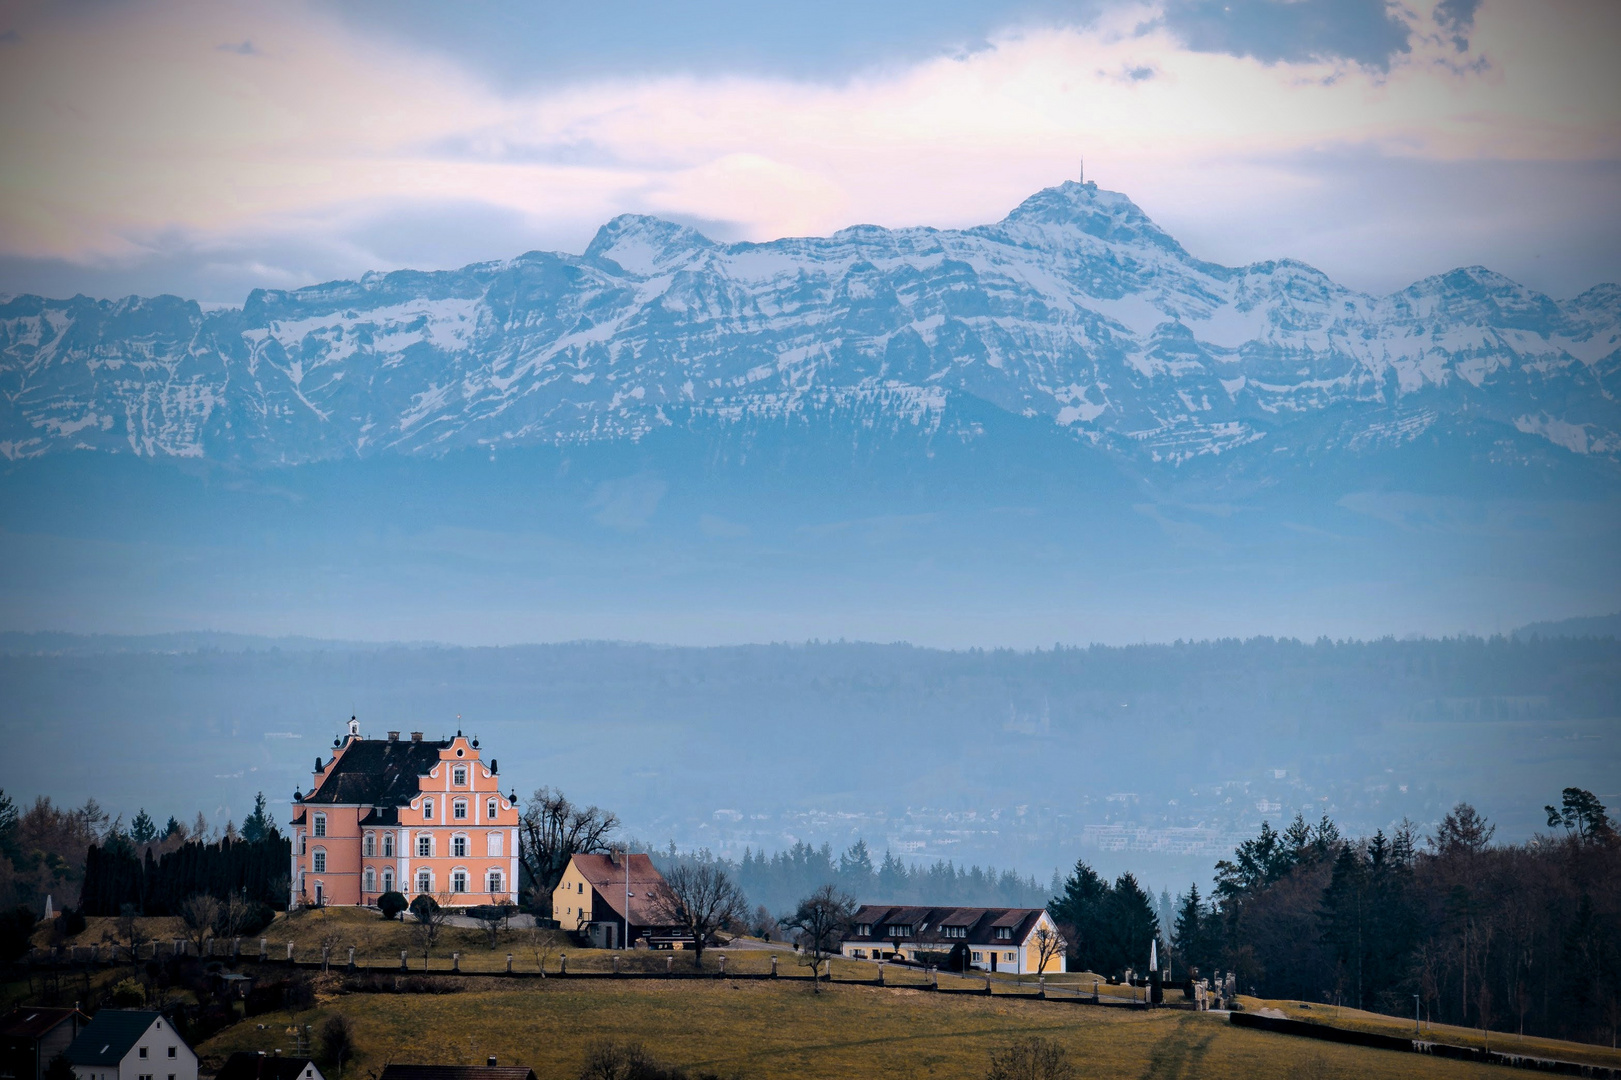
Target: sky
column 206, row 147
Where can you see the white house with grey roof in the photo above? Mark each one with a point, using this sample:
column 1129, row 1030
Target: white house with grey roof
column 131, row 1044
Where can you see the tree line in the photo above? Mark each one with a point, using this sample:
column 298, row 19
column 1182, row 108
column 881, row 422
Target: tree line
column 1523, row 937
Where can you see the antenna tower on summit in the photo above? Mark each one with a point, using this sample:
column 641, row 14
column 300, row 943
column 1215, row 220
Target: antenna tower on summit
column 1083, row 171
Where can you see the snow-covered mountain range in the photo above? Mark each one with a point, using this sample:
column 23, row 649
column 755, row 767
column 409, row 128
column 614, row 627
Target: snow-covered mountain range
column 1075, row 310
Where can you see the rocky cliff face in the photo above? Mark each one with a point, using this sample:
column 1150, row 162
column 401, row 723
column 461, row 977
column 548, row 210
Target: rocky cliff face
column 1075, row 310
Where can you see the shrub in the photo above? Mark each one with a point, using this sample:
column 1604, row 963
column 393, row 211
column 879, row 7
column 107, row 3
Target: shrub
column 423, row 907
column 391, row 904
column 129, row 994
column 1031, row 1059
column 337, row 1041
column 71, row 923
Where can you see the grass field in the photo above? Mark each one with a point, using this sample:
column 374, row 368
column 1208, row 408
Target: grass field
column 1358, row 1020
column 778, row 1029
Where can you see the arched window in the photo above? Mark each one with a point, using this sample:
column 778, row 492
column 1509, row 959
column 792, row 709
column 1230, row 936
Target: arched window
column 492, row 809
column 371, row 844
column 458, row 809
column 427, row 809
column 458, row 880
column 388, row 880
column 388, row 845
column 458, row 846
column 319, row 864
column 493, row 844
column 458, row 776
column 496, row 881
column 424, row 881
column 320, row 824
column 371, row 880
column 303, row 844
column 424, row 846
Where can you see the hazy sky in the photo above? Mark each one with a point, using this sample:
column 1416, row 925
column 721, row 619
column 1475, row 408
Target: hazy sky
column 211, row 147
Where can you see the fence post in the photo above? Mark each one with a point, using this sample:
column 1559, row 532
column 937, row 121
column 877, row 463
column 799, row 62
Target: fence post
column 179, row 947
column 935, row 973
column 773, row 965
column 1041, row 981
column 236, row 948
column 509, row 963
column 562, row 963
column 351, row 958
column 723, row 965
column 264, row 949
column 987, row 986
column 456, row 961
column 404, row 963
column 880, row 973
column 326, row 957
column 289, row 952
column 616, row 963
column 1095, row 999
column 669, row 964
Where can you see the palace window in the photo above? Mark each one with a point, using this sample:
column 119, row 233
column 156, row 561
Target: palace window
column 458, row 846
column 458, row 881
column 388, row 881
column 388, row 845
column 496, row 881
column 458, row 776
column 319, row 865
column 493, row 844
column 424, row 881
column 303, row 844
column 320, row 824
column 492, row 809
column 371, row 880
column 458, row 809
column 424, row 846
column 371, row 845
column 427, row 809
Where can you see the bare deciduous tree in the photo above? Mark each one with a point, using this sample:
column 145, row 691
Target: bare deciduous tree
column 200, row 913
column 493, row 919
column 430, row 916
column 820, row 920
column 552, row 830
column 1049, row 943
column 700, row 899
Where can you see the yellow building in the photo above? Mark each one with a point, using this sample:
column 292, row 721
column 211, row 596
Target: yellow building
column 595, row 893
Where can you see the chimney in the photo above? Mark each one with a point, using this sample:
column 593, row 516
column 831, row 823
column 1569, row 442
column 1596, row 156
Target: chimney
column 416, row 736
column 393, row 736
column 490, row 1061
column 613, row 856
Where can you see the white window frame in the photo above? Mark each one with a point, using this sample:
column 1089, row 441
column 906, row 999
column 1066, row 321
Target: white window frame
column 495, row 881
column 458, row 776
column 458, row 846
column 459, row 880
column 388, row 879
column 427, row 809
column 370, row 846
column 318, row 827
column 458, row 810
column 425, row 875
column 318, row 860
column 492, row 809
column 424, row 845
column 495, row 845
column 388, row 845
column 370, row 879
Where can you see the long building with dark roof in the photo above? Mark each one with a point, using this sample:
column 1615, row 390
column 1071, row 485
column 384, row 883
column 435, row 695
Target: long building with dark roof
column 414, row 816
column 1019, row 940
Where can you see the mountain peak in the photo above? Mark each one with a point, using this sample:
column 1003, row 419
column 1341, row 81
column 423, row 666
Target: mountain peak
column 1107, row 215
column 644, row 245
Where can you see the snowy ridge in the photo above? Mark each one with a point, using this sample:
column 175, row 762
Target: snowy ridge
column 1075, row 308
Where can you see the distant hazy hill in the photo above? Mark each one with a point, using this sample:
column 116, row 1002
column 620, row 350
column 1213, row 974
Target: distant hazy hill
column 1585, row 626
column 1154, row 757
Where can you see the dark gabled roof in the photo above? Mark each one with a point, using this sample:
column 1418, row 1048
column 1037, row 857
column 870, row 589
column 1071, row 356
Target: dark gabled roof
column 109, row 1036
column 380, row 816
column 377, row 772
column 926, row 923
column 34, row 1022
column 246, row 1065
column 457, row 1072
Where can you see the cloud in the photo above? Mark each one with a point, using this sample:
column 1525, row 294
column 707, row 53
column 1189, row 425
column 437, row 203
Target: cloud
column 1365, row 32
column 1456, row 18
column 241, row 48
column 133, row 140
